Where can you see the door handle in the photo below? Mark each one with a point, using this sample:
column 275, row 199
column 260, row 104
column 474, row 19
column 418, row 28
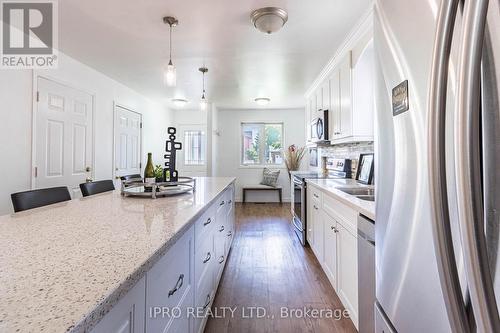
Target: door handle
column 221, row 259
column 88, row 169
column 178, row 285
column 441, row 229
column 207, row 302
column 468, row 168
column 221, row 228
column 207, row 258
column 209, row 220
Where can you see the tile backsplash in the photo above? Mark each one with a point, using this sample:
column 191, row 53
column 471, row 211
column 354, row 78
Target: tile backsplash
column 349, row 150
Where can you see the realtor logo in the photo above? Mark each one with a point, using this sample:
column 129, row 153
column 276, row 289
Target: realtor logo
column 29, row 34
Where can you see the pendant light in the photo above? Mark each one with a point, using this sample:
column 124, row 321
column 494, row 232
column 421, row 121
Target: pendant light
column 203, row 101
column 170, row 76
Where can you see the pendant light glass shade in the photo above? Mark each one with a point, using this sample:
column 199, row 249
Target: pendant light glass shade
column 203, row 103
column 170, row 75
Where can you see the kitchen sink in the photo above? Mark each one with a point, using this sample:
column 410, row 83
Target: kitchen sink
column 358, row 191
column 366, row 197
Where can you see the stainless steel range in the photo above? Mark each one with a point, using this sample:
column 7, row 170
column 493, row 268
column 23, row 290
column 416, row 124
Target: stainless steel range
column 337, row 169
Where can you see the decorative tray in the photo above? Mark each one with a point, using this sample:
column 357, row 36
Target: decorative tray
column 138, row 188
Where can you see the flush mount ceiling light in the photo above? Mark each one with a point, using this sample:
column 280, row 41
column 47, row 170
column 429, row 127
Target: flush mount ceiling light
column 179, row 102
column 262, row 101
column 269, row 19
column 203, row 101
column 170, row 76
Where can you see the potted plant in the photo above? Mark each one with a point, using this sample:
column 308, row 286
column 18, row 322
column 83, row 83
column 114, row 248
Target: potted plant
column 158, row 171
column 293, row 157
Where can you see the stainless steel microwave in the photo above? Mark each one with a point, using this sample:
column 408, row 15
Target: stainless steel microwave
column 319, row 127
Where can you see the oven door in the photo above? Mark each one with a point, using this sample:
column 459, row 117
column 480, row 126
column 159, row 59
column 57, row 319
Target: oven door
column 298, row 220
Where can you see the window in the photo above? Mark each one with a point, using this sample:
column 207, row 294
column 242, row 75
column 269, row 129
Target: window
column 262, row 143
column 194, row 153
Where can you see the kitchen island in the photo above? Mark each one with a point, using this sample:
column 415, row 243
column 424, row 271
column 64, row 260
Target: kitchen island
column 63, row 267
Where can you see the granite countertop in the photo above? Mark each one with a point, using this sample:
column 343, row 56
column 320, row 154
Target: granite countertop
column 63, row 266
column 364, row 207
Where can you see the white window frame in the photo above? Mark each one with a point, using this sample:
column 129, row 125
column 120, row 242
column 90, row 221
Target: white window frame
column 203, row 148
column 262, row 149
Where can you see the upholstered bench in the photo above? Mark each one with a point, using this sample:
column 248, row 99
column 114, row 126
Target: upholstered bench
column 262, row 188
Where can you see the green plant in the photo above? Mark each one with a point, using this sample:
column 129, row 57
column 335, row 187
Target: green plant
column 158, row 171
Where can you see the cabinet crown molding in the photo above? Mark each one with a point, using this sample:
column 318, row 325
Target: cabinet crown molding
column 362, row 27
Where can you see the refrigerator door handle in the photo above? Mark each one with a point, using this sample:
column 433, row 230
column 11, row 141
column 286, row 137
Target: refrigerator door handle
column 441, row 229
column 468, row 169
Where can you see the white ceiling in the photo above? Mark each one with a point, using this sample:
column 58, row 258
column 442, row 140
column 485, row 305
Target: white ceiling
column 127, row 40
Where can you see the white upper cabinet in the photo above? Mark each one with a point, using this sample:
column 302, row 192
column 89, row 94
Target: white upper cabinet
column 347, row 92
column 345, row 97
column 325, row 96
column 334, row 114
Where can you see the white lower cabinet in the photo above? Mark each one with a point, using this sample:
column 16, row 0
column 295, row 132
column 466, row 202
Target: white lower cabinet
column 177, row 291
column 128, row 315
column 335, row 245
column 330, row 255
column 347, row 247
column 170, row 285
column 318, row 234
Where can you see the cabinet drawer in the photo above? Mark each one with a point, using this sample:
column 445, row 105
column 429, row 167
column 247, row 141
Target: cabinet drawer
column 316, row 193
column 340, row 211
column 184, row 322
column 229, row 241
column 204, row 260
column 203, row 300
column 169, row 282
column 204, row 226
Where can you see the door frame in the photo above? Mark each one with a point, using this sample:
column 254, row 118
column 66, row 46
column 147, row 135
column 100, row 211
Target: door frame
column 123, row 106
column 181, row 166
column 34, row 110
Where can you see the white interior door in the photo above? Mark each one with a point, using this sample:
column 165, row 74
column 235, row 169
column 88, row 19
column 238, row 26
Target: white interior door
column 192, row 159
column 128, row 142
column 63, row 136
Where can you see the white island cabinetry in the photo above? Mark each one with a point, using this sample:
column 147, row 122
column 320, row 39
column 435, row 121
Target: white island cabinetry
column 186, row 277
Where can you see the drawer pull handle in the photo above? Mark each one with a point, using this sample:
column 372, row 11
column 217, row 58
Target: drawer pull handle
column 222, row 203
column 221, row 259
column 315, row 207
column 315, row 195
column 229, row 234
column 207, row 258
column 178, row 285
column 335, row 230
column 207, row 302
column 208, row 222
column 221, row 229
column 230, row 201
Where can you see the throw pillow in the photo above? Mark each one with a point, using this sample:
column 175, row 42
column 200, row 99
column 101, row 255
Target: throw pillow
column 270, row 177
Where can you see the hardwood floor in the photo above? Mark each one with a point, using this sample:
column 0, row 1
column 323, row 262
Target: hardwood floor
column 268, row 267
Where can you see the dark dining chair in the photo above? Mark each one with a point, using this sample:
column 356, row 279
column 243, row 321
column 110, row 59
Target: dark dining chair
column 100, row 186
column 38, row 198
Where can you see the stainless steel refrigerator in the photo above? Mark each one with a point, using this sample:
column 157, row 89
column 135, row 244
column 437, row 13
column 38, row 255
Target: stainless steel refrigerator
column 437, row 165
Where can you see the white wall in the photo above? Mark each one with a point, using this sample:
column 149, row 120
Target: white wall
column 227, row 157
column 16, row 98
